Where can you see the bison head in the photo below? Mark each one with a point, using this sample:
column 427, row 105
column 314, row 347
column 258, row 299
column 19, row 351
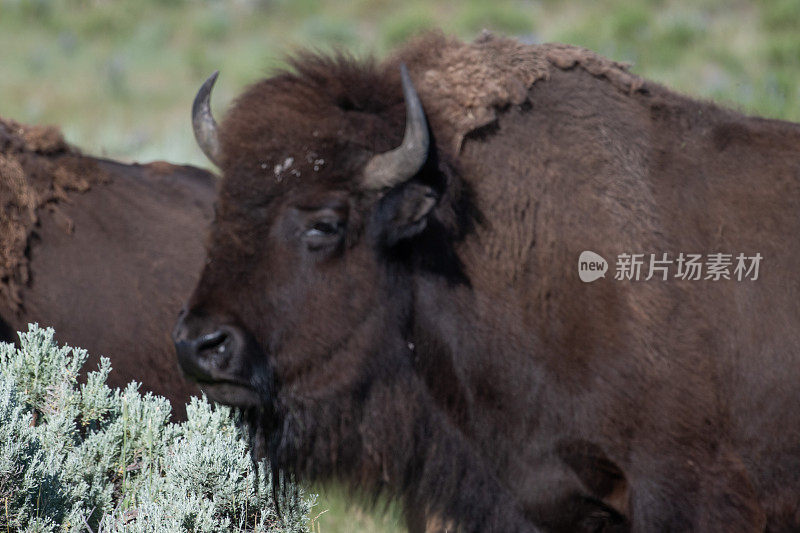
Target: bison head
column 326, row 210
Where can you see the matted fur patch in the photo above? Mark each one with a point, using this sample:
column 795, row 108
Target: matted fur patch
column 465, row 84
column 37, row 170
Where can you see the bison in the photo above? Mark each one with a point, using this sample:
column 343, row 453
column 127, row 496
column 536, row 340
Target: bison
column 102, row 251
column 392, row 296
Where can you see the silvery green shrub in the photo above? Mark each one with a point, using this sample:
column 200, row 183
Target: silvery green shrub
column 85, row 457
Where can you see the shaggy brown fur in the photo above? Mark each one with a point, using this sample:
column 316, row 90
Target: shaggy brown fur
column 37, row 169
column 465, row 86
column 103, row 252
column 456, row 360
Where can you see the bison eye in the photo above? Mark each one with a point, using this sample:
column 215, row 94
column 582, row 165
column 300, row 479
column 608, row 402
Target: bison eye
column 324, row 228
column 323, row 233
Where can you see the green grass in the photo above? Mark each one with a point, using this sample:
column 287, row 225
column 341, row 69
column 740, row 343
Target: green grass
column 119, row 75
column 335, row 512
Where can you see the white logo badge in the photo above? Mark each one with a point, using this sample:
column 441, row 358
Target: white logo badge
column 591, row 266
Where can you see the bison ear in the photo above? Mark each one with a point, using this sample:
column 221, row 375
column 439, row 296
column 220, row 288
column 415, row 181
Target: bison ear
column 403, row 212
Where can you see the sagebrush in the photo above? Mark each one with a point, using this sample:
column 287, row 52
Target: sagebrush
column 85, row 457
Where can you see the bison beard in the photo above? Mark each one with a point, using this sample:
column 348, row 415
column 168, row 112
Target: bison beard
column 404, row 450
column 423, row 333
column 408, row 450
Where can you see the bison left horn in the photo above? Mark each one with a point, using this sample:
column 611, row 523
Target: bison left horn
column 396, row 166
column 203, row 123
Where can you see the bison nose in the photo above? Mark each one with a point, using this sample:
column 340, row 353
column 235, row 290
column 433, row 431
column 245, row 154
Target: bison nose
column 207, row 357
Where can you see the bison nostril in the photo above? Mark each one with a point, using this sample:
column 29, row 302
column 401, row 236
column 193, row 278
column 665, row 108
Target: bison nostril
column 211, row 341
column 212, row 356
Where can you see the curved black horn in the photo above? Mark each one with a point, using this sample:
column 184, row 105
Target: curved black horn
column 203, row 123
column 398, row 165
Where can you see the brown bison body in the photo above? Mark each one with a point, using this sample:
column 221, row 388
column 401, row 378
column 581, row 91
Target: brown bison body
column 431, row 337
column 103, row 252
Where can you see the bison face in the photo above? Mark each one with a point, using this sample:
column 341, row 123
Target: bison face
column 282, row 299
column 299, row 301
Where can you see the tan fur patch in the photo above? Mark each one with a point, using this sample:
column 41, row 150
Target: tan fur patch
column 465, row 84
column 37, row 169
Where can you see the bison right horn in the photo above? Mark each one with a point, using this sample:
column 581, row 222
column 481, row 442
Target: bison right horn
column 398, row 165
column 203, row 123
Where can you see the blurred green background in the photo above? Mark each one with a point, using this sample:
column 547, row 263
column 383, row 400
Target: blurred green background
column 118, row 76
